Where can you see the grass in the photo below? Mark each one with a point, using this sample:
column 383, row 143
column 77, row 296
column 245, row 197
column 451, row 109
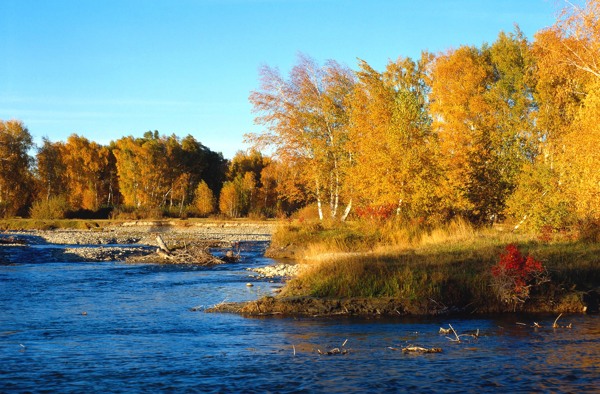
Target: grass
column 49, row 224
column 448, row 266
column 87, row 224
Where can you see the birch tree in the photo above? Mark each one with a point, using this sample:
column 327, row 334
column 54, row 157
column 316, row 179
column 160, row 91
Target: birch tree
column 390, row 138
column 305, row 119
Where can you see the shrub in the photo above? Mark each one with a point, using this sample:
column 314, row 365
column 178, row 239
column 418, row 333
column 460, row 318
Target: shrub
column 515, row 275
column 52, row 208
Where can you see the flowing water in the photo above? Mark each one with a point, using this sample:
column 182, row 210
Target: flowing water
column 114, row 327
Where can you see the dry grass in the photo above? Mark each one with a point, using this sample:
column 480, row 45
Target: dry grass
column 449, row 265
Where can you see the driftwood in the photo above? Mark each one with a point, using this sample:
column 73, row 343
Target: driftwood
column 164, row 254
column 162, row 245
column 12, row 240
column 188, row 254
column 554, row 325
column 419, row 349
column 332, row 352
column 456, row 335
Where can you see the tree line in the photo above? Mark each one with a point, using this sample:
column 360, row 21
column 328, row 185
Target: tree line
column 509, row 128
column 151, row 175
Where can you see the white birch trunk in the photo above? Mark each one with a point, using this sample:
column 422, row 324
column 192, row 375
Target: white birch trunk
column 319, row 204
column 347, row 211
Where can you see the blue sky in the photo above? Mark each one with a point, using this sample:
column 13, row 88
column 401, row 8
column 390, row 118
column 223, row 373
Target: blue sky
column 111, row 68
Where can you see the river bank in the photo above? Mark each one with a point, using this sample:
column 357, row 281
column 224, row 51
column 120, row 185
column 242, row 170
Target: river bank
column 338, row 271
column 358, row 270
column 136, row 241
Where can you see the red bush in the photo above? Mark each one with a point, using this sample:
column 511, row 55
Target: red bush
column 515, row 274
column 376, row 212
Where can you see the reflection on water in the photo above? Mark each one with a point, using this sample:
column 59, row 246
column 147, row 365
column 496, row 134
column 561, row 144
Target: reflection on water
column 116, row 327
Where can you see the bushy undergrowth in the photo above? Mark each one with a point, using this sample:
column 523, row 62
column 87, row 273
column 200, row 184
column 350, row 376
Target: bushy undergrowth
column 52, row 208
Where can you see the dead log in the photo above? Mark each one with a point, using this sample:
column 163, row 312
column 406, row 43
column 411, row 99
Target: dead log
column 164, row 255
column 162, row 245
column 419, row 349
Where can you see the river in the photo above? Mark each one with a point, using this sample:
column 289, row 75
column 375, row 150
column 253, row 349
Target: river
column 116, row 327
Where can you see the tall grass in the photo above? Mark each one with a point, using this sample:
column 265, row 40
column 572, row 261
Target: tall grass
column 448, row 265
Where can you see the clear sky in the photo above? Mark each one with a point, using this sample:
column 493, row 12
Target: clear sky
column 110, row 68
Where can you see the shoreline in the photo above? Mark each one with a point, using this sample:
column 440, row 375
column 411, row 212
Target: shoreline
column 369, row 308
column 133, row 242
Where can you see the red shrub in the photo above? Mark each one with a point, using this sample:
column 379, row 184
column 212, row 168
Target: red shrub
column 515, row 274
column 376, row 212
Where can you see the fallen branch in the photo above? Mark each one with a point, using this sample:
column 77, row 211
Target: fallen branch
column 164, row 254
column 555, row 325
column 162, row 245
column 456, row 335
column 417, row 349
column 334, row 351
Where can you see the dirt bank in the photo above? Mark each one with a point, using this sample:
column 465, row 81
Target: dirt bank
column 380, row 307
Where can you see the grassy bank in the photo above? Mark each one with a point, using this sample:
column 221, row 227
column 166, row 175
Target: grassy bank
column 51, row 224
column 428, row 271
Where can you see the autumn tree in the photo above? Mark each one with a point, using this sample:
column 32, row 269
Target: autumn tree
column 281, row 191
column 390, row 138
column 578, row 155
column 159, row 172
column 85, row 168
column 567, row 82
column 305, row 119
column 247, row 168
column 482, row 106
column 50, row 170
column 204, row 199
column 230, row 203
column 16, row 180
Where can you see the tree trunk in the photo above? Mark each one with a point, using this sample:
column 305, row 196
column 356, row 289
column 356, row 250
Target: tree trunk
column 319, row 204
column 398, row 208
column 347, row 211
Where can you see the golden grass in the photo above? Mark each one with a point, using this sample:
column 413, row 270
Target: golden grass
column 449, row 265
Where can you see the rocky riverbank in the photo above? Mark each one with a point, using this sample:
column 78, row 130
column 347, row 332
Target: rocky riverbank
column 135, row 242
column 277, row 271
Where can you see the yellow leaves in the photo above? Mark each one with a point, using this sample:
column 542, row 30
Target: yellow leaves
column 15, row 176
column 305, row 119
column 580, row 157
column 389, row 135
column 204, row 199
column 568, row 93
column 84, row 164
